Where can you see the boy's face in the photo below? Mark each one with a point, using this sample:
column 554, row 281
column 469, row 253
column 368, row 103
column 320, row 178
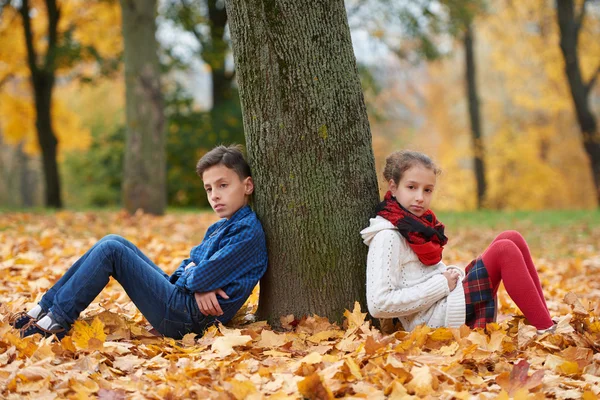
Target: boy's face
column 226, row 192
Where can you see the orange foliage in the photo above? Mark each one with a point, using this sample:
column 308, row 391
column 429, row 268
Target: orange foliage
column 92, row 24
column 110, row 353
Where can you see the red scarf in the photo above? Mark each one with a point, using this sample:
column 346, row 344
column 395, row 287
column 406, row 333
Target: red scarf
column 424, row 234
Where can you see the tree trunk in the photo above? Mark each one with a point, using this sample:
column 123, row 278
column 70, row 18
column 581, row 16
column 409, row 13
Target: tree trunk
column 144, row 180
column 42, row 81
column 44, row 84
column 26, row 181
column 215, row 54
column 570, row 24
column 309, row 144
column 474, row 114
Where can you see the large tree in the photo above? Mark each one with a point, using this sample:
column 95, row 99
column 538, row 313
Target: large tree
column 309, row 144
column 570, row 22
column 144, row 181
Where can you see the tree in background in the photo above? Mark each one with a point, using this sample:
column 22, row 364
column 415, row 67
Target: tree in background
column 419, row 31
column 570, row 22
column 144, row 180
column 56, row 40
column 309, row 144
column 189, row 127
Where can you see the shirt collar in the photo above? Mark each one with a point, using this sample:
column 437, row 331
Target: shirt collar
column 239, row 214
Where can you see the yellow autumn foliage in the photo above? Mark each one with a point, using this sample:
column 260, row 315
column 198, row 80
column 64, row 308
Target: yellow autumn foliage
column 93, row 24
column 533, row 152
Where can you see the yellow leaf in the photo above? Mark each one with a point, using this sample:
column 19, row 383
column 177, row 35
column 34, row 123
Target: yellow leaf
column 270, row 339
column 224, row 345
column 325, row 335
column 313, row 388
column 90, row 337
column 242, row 389
column 354, row 368
column 355, row 318
column 422, row 382
column 569, row 368
column 312, row 358
column 441, row 335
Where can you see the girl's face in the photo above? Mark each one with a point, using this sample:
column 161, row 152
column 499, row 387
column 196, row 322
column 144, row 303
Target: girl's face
column 415, row 189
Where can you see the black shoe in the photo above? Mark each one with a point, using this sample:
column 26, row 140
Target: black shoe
column 20, row 319
column 32, row 328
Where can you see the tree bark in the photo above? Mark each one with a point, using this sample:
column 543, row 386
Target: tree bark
column 474, row 114
column 42, row 81
column 569, row 24
column 309, row 145
column 144, row 180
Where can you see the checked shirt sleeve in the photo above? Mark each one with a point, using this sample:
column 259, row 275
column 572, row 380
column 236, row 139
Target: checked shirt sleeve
column 175, row 276
column 236, row 257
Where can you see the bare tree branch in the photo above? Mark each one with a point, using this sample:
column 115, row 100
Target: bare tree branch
column 53, row 17
column 31, row 56
column 192, row 27
column 592, row 82
column 4, row 80
column 579, row 17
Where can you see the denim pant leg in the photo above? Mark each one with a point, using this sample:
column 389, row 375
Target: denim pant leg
column 48, row 298
column 149, row 289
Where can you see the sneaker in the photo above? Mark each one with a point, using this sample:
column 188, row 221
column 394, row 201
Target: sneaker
column 552, row 329
column 20, row 319
column 32, row 328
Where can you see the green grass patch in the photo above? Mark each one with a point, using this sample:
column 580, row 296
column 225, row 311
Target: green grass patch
column 503, row 220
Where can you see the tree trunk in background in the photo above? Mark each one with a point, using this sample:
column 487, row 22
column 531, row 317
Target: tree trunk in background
column 474, row 114
column 42, row 81
column 309, row 144
column 26, row 180
column 215, row 53
column 570, row 24
column 144, row 180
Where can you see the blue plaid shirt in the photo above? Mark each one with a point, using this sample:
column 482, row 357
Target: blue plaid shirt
column 232, row 257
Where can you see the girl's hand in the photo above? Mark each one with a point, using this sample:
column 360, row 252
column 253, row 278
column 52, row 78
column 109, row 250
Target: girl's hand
column 452, row 276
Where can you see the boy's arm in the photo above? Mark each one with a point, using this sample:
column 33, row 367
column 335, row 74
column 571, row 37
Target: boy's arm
column 175, row 275
column 239, row 247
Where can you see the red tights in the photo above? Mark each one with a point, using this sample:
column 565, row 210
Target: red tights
column 508, row 259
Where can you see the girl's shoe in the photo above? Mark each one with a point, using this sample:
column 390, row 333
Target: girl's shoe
column 32, row 328
column 20, row 319
column 552, row 329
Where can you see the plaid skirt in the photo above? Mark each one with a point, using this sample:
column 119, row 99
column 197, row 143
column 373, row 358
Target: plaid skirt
column 480, row 299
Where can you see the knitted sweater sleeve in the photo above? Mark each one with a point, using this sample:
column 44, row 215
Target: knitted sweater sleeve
column 384, row 266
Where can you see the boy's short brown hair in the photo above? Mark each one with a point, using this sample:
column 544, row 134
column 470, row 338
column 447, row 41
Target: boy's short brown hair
column 229, row 156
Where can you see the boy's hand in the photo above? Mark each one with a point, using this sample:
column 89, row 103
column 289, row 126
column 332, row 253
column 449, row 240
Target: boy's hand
column 453, row 276
column 208, row 303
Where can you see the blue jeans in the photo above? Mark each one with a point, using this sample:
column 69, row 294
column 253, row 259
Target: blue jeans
column 171, row 311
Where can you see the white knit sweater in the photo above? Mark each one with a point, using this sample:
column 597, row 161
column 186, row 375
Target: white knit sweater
column 400, row 286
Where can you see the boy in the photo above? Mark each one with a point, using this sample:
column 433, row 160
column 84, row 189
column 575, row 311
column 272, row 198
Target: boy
column 212, row 284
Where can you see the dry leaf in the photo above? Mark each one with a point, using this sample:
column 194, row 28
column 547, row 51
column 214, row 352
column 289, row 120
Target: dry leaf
column 90, row 337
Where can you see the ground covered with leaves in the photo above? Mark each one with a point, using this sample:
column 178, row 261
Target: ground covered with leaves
column 110, row 354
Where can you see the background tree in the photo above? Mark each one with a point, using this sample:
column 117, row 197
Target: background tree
column 189, row 126
column 570, row 22
column 43, row 41
column 419, row 31
column 144, row 180
column 309, row 145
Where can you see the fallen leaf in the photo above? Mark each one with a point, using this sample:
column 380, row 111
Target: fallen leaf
column 90, row 337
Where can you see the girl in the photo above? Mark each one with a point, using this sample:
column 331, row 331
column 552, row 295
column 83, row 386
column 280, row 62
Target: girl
column 406, row 278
